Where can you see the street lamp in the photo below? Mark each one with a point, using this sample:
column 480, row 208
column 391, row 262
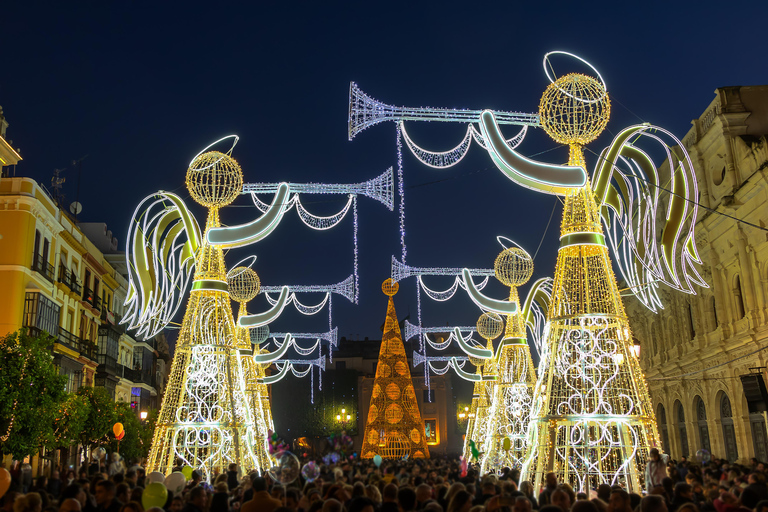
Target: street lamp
column 143, row 415
column 343, row 417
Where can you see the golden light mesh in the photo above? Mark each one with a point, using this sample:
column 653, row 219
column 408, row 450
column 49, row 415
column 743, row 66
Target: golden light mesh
column 574, row 109
column 214, row 179
column 489, row 326
column 393, row 398
column 513, row 266
column 243, row 283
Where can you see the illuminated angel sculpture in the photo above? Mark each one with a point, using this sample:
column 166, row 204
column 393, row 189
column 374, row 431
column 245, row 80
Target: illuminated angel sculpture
column 592, row 420
column 216, row 409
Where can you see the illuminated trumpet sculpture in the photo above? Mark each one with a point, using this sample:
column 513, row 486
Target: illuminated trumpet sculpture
column 592, row 420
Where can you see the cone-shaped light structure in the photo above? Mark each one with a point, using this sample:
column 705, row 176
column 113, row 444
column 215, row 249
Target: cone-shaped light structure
column 394, row 428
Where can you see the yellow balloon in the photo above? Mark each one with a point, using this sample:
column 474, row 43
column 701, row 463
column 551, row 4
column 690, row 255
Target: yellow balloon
column 154, row 495
column 187, row 472
column 506, row 444
column 117, row 428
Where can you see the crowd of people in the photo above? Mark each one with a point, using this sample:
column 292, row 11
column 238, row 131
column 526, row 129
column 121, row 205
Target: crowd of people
column 437, row 485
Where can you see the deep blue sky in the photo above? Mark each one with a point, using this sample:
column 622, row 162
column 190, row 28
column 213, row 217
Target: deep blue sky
column 140, row 87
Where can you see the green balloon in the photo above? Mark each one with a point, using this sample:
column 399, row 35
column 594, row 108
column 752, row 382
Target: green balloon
column 506, row 444
column 187, row 472
column 154, row 495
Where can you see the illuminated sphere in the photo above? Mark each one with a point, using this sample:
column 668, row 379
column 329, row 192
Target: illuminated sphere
column 390, row 287
column 214, row 179
column 513, row 266
column 244, row 284
column 259, row 334
column 574, row 109
column 489, row 326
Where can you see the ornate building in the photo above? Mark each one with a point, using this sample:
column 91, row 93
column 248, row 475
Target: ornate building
column 723, row 329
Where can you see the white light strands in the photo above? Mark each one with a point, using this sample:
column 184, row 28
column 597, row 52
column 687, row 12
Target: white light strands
column 380, row 189
column 400, row 271
column 346, row 288
column 365, row 111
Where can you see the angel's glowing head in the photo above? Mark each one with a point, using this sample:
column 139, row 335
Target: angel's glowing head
column 574, row 109
column 214, row 179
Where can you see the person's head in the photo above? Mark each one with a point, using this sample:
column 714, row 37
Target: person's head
column 105, row 492
column 122, row 492
column 70, row 505
column 604, row 492
column 550, row 480
column 133, row 506
column 653, row 503
column 618, row 501
column 278, row 492
column 332, row 505
column 390, row 493
column 526, row 488
column 522, row 504
column 584, row 506
column 31, row 502
column 361, row 504
column 54, row 475
column 684, row 490
column 176, row 504
column 372, row 492
column 196, row 476
column 560, row 498
column 74, row 491
column 258, row 484
column 687, row 507
column 654, row 454
column 8, row 499
column 423, row 493
column 406, row 498
column 460, row 502
column 233, row 467
column 291, row 498
column 198, row 496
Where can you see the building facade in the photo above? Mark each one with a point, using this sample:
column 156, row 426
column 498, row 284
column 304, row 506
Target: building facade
column 696, row 350
column 55, row 278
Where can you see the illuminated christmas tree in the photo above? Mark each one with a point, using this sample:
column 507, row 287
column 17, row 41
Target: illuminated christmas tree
column 394, row 428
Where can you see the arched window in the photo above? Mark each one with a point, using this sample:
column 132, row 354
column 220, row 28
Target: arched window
column 681, row 428
column 759, row 438
column 729, row 434
column 738, row 297
column 701, row 421
column 714, row 313
column 662, row 416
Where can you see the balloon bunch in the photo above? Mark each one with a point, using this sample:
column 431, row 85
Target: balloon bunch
column 462, row 467
column 276, row 444
column 343, row 445
column 119, row 431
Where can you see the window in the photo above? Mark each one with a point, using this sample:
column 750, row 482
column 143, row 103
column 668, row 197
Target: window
column 739, row 299
column 663, row 428
column 701, row 419
column 87, row 282
column 714, row 313
column 46, row 249
column 691, row 324
column 95, row 287
column 430, row 431
column 759, row 435
column 41, row 313
column 36, row 249
column 681, row 429
column 428, row 395
column 729, row 434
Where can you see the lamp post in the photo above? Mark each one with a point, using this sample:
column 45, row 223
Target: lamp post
column 343, row 418
column 143, row 415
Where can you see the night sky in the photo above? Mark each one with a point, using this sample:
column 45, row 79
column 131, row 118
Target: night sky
column 141, row 87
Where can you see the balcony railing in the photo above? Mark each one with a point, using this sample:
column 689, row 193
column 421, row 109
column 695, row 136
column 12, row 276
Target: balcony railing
column 91, row 298
column 107, row 363
column 129, row 374
column 69, row 279
column 43, row 267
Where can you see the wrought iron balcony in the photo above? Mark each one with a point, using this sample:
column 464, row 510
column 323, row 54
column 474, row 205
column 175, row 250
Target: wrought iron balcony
column 91, row 298
column 69, row 279
column 40, row 265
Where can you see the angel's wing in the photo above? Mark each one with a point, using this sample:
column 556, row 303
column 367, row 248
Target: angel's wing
column 163, row 240
column 631, row 192
column 535, row 310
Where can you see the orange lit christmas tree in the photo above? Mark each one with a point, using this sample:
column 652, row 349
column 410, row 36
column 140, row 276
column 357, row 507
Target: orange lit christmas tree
column 394, row 428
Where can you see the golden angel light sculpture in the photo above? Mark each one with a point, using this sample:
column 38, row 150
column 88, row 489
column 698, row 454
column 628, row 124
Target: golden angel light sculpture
column 216, row 408
column 394, row 428
column 209, row 417
column 592, row 420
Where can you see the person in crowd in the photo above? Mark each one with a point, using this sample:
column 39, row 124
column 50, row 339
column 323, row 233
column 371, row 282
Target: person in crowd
column 197, row 500
column 30, row 502
column 105, row 497
column 261, row 500
column 550, row 484
column 70, row 505
column 461, row 501
column 655, row 469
